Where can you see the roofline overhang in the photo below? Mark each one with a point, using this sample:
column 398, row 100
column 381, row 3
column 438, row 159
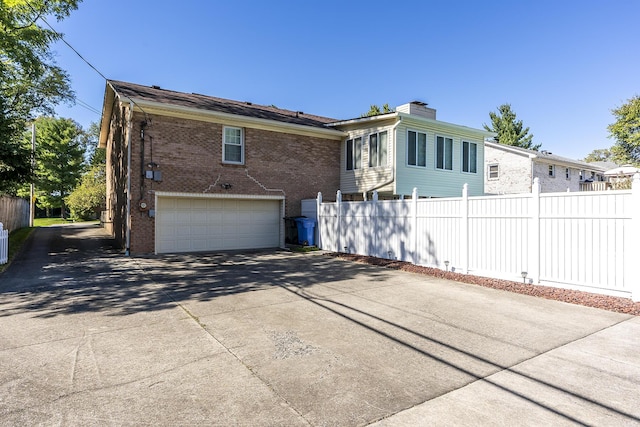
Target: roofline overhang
column 544, row 159
column 172, row 110
column 107, row 110
column 447, row 125
column 510, row 149
column 359, row 120
column 569, row 162
column 413, row 117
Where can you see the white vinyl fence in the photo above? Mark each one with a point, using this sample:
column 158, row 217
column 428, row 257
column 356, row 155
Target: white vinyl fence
column 581, row 240
column 4, row 245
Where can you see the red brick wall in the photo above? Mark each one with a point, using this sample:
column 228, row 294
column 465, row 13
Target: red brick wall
column 116, row 165
column 189, row 155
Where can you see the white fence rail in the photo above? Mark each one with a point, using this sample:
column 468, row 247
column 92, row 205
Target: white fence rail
column 4, row 245
column 581, row 240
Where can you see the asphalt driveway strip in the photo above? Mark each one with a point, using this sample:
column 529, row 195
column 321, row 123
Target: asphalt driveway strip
column 90, row 337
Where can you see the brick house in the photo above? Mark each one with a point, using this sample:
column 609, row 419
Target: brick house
column 511, row 170
column 188, row 172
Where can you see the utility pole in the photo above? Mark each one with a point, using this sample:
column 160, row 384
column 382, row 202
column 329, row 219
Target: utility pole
column 32, row 210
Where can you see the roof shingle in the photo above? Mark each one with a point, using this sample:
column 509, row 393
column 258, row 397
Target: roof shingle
column 210, row 103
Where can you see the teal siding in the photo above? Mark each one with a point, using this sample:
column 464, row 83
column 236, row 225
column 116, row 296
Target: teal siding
column 432, row 182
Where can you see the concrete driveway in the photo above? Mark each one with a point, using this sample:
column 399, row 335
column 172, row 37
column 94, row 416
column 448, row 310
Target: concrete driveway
column 90, row 337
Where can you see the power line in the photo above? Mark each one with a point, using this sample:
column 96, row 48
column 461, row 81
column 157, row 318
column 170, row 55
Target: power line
column 87, row 106
column 40, row 17
column 68, row 44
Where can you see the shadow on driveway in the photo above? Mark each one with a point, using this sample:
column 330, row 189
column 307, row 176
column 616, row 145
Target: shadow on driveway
column 274, row 338
column 75, row 268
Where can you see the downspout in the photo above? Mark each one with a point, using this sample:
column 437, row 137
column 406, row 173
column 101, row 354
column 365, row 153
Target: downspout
column 531, row 171
column 393, row 166
column 128, row 222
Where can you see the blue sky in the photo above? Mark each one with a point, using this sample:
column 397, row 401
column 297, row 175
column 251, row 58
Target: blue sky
column 562, row 65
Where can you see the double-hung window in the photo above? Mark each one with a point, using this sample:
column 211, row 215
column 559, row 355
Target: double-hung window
column 552, row 171
column 444, row 153
column 378, row 149
column 416, row 148
column 233, row 145
column 354, row 153
column 469, row 157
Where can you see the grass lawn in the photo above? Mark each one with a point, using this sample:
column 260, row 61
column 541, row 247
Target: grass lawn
column 45, row 222
column 16, row 239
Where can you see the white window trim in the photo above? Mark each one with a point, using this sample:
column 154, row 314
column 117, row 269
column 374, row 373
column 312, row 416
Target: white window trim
column 426, row 144
column 567, row 174
column 489, row 166
column 462, row 165
column 379, row 164
column 444, row 169
column 224, row 143
column 551, row 171
column 354, row 142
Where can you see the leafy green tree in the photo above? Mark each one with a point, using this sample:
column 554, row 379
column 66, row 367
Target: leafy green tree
column 599, row 155
column 15, row 158
column 626, row 132
column 89, row 198
column 59, row 160
column 30, row 81
column 510, row 131
column 375, row 110
column 93, row 154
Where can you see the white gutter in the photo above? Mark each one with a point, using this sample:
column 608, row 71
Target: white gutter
column 128, row 222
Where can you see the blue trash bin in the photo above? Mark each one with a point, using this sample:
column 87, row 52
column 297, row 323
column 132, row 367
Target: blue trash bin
column 306, row 231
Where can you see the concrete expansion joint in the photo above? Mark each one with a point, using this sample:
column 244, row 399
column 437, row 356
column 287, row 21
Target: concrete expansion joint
column 202, row 326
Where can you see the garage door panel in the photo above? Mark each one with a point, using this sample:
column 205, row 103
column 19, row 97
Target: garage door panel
column 200, row 224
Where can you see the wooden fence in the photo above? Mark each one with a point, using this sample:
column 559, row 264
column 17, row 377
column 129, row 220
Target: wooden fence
column 14, row 212
column 581, row 240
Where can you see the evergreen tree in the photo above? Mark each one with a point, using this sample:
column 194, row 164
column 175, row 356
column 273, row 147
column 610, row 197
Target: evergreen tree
column 510, row 131
column 375, row 110
column 59, row 161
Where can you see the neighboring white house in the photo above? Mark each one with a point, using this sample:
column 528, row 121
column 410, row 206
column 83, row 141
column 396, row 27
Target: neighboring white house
column 394, row 152
column 510, row 170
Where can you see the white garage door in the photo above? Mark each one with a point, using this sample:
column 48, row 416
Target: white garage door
column 205, row 224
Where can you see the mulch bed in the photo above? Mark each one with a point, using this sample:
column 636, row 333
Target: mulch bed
column 617, row 304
